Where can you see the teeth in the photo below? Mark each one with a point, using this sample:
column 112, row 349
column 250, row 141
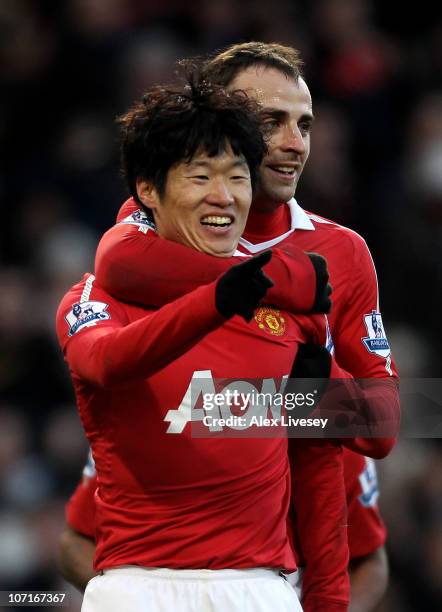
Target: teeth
column 284, row 169
column 212, row 220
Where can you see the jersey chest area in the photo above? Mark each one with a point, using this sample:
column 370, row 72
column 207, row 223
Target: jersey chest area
column 338, row 252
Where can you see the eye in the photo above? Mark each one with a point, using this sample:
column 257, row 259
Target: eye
column 305, row 128
column 200, row 177
column 271, row 123
column 239, row 177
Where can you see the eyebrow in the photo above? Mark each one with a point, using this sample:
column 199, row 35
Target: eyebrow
column 277, row 113
column 205, row 164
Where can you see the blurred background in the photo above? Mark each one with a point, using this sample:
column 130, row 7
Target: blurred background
column 66, row 70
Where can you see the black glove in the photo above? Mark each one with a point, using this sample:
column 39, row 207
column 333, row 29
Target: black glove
column 322, row 301
column 310, row 373
column 240, row 290
column 311, row 361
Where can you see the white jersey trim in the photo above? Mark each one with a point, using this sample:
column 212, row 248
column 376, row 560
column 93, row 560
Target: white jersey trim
column 299, row 220
column 87, row 289
column 322, row 220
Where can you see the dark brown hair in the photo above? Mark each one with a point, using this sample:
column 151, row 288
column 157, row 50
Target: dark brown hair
column 170, row 125
column 223, row 67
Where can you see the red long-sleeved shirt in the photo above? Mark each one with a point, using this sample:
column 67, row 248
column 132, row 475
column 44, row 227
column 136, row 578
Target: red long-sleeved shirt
column 130, row 382
column 172, row 270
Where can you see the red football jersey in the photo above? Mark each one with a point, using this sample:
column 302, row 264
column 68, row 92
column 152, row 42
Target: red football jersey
column 357, row 335
column 366, row 529
column 165, row 498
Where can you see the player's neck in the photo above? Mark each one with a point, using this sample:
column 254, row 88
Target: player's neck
column 265, row 225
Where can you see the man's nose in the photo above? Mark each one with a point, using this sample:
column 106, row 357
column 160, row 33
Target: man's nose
column 220, row 194
column 293, row 140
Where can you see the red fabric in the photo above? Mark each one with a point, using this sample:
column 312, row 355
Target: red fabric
column 165, row 498
column 80, row 509
column 275, row 224
column 126, row 209
column 126, row 252
column 319, row 604
column 352, row 275
column 321, row 543
column 366, row 530
column 116, row 353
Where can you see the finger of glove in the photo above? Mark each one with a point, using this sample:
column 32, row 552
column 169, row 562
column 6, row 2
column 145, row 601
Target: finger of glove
column 263, row 279
column 249, row 267
column 247, row 313
column 255, row 289
column 322, row 302
column 319, row 263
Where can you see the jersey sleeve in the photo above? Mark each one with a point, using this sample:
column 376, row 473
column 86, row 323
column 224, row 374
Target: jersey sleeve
column 320, row 523
column 134, row 264
column 360, row 341
column 80, row 509
column 127, row 208
column 103, row 349
column 362, row 348
column 366, row 529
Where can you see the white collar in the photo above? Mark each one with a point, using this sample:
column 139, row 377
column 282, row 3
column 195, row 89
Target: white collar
column 299, row 220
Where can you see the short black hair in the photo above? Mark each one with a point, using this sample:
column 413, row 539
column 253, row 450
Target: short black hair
column 222, row 67
column 171, row 124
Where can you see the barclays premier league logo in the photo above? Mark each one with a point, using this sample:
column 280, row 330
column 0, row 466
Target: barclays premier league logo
column 329, row 344
column 368, row 480
column 139, row 217
column 86, row 314
column 376, row 342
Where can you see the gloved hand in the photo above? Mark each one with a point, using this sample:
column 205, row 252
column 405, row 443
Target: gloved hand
column 322, row 301
column 240, row 289
column 311, row 361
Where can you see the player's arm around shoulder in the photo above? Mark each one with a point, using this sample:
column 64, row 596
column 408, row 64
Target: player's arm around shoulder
column 133, row 263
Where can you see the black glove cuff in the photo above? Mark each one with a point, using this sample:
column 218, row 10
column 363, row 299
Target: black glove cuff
column 322, row 303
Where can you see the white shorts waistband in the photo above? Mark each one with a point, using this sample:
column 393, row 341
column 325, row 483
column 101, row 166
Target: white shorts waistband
column 193, row 574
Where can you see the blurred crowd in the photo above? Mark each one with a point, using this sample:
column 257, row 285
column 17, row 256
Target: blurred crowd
column 67, row 69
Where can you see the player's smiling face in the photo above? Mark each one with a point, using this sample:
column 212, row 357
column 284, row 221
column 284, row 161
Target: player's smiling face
column 205, row 202
column 287, row 112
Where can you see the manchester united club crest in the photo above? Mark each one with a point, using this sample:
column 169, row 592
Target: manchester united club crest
column 271, row 321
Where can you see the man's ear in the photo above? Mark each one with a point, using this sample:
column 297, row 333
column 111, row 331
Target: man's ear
column 147, row 194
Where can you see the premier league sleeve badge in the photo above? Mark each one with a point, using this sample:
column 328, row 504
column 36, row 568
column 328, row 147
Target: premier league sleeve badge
column 85, row 314
column 376, row 342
